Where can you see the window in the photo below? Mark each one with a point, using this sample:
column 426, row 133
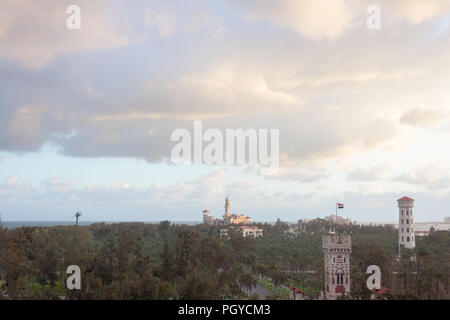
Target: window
column 407, row 229
column 407, row 221
column 340, row 278
column 402, row 213
column 402, row 230
column 403, row 239
column 344, row 260
column 407, row 212
column 402, row 221
column 407, row 239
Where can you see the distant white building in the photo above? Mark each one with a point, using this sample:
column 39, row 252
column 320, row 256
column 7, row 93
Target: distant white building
column 251, row 231
column 245, row 231
column 406, row 223
column 338, row 220
column 207, row 217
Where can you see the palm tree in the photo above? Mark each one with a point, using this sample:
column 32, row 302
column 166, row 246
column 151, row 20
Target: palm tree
column 246, row 281
column 77, row 215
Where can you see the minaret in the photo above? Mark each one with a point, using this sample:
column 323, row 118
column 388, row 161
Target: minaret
column 337, row 249
column 227, row 207
column 405, row 223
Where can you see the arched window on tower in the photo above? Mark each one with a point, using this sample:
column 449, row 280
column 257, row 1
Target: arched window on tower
column 339, row 276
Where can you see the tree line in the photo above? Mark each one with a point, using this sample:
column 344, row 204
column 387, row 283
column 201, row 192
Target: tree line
column 169, row 261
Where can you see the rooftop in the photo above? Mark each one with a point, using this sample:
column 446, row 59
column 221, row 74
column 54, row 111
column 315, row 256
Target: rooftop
column 405, row 198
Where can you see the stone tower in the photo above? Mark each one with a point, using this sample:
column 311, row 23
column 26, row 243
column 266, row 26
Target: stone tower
column 207, row 217
column 337, row 249
column 227, row 207
column 405, row 223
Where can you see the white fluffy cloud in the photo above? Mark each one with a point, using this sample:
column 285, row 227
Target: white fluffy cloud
column 339, row 93
column 34, row 32
column 424, row 117
column 315, row 19
column 418, row 11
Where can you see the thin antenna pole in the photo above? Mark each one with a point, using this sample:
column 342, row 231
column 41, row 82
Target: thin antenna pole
column 336, row 215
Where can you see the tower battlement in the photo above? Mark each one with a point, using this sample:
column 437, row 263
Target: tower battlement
column 341, row 241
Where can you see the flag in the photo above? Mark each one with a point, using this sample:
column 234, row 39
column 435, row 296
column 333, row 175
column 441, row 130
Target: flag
column 340, row 205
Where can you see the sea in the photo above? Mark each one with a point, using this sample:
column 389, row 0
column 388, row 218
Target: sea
column 18, row 224
column 419, row 226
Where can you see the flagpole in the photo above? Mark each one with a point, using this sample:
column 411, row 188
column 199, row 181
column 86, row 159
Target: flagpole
column 336, row 214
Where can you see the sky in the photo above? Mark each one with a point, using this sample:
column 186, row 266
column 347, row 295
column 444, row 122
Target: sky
column 86, row 115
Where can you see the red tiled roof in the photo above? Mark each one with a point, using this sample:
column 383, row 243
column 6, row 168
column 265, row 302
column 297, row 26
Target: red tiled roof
column 381, row 291
column 296, row 290
column 405, row 198
column 300, row 291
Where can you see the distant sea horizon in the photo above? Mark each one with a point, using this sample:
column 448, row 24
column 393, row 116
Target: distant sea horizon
column 49, row 223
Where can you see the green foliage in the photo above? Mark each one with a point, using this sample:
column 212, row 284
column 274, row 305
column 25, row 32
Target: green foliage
column 169, row 261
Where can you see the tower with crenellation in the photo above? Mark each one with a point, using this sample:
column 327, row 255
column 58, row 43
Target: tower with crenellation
column 337, row 249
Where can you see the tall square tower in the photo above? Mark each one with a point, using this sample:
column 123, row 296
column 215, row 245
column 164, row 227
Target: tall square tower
column 405, row 223
column 337, row 249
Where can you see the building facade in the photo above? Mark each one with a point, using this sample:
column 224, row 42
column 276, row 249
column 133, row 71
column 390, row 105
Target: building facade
column 251, row 231
column 338, row 219
column 406, row 236
column 337, row 249
column 207, row 217
column 228, row 217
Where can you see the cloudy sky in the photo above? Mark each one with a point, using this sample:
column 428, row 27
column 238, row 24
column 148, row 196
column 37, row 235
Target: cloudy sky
column 86, row 115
